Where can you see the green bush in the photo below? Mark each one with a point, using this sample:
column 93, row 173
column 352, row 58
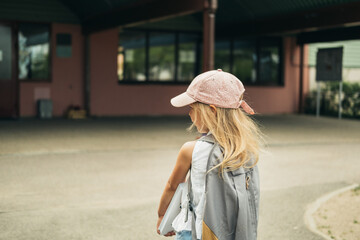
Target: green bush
column 329, row 103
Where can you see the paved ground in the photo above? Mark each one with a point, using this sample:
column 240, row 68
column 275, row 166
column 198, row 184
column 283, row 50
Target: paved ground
column 102, row 179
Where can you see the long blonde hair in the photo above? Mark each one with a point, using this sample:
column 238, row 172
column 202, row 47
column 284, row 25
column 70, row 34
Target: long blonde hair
column 236, row 133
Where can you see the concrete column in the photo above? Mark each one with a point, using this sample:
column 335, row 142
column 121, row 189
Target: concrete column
column 209, row 34
column 87, row 76
column 301, row 78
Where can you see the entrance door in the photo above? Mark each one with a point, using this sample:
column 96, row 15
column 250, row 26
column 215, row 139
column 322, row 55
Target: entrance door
column 8, row 86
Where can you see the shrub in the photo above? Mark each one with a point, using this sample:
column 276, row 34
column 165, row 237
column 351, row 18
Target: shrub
column 329, row 103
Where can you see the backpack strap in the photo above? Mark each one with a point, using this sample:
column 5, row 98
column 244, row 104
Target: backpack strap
column 191, row 209
column 207, row 138
column 210, row 139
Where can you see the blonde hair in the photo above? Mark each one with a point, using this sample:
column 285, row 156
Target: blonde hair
column 236, row 133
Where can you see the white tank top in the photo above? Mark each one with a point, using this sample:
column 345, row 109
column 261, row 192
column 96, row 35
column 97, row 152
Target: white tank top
column 198, row 170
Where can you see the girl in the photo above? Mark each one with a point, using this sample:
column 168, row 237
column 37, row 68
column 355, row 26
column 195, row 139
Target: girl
column 214, row 98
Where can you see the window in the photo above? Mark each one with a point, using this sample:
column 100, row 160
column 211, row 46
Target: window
column 187, row 64
column 131, row 56
column 222, row 55
column 151, row 56
column 34, row 51
column 63, row 45
column 244, row 63
column 269, row 62
column 253, row 61
column 147, row 56
column 162, row 57
column 5, row 52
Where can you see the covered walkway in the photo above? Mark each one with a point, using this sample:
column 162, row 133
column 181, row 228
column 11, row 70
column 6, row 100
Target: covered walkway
column 102, row 178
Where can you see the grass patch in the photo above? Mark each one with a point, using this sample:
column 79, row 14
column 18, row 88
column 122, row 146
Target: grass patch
column 356, row 191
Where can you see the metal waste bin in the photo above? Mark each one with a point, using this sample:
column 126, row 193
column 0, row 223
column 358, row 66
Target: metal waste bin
column 44, row 108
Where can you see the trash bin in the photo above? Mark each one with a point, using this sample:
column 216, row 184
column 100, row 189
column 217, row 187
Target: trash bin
column 44, row 108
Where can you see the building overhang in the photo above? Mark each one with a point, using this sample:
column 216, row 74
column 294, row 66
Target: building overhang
column 333, row 16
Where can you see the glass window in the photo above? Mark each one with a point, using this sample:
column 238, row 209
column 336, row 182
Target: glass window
column 5, row 52
column 187, row 57
column 244, row 61
column 34, row 51
column 132, row 56
column 63, row 45
column 222, row 55
column 269, row 63
column 162, row 56
column 149, row 56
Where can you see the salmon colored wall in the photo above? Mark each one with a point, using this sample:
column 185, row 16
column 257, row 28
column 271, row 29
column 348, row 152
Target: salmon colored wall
column 108, row 98
column 66, row 87
column 281, row 99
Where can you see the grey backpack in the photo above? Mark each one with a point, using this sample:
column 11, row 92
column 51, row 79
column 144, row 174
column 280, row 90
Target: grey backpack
column 232, row 200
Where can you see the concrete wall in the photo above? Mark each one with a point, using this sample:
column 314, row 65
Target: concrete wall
column 108, row 98
column 67, row 84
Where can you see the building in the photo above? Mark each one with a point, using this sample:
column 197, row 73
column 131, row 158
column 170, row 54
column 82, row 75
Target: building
column 129, row 57
column 351, row 60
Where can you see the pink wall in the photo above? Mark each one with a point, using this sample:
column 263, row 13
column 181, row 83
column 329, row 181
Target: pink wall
column 306, row 74
column 281, row 99
column 108, row 98
column 67, row 85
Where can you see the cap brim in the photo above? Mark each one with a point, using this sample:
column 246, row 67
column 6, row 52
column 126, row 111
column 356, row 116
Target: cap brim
column 182, row 100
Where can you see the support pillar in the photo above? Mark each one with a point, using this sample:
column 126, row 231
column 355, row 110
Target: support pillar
column 209, row 34
column 301, row 82
column 87, row 103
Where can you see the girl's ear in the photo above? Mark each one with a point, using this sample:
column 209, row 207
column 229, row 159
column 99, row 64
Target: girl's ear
column 213, row 108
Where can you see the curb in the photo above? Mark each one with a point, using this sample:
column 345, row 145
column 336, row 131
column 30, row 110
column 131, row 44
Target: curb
column 314, row 206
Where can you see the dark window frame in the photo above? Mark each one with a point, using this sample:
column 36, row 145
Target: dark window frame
column 174, row 80
column 34, row 80
column 280, row 69
column 197, row 68
column 258, row 45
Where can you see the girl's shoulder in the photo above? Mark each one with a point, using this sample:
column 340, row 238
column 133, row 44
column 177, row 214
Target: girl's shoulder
column 194, row 149
column 202, row 147
column 187, row 149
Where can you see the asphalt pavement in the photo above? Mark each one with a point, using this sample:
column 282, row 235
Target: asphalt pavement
column 103, row 178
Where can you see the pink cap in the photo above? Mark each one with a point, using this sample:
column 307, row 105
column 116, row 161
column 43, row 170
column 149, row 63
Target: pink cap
column 215, row 87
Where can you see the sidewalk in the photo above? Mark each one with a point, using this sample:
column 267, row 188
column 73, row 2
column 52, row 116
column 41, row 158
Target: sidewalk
column 102, row 179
